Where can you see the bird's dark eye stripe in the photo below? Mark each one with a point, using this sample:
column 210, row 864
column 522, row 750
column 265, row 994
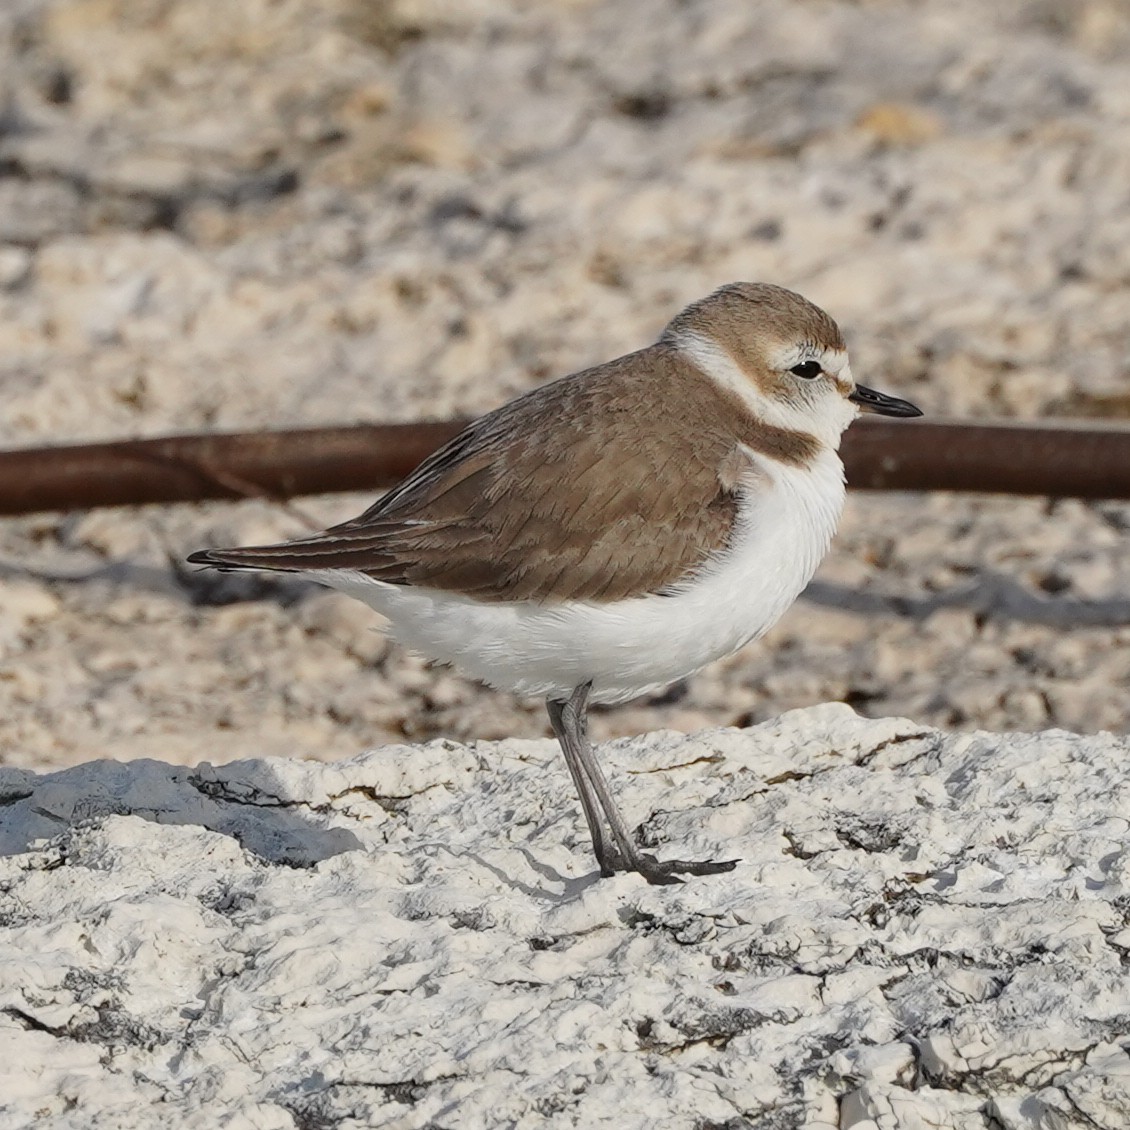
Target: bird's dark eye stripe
column 808, row 369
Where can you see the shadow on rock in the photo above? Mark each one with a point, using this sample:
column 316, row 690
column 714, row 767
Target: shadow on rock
column 246, row 800
column 991, row 595
column 200, row 586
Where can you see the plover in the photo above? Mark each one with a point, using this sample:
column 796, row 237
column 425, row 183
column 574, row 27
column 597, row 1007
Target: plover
column 613, row 531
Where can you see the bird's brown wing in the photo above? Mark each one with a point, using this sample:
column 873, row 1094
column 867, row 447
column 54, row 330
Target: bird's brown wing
column 580, row 490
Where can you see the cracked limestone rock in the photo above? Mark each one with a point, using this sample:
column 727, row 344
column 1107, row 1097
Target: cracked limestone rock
column 926, row 929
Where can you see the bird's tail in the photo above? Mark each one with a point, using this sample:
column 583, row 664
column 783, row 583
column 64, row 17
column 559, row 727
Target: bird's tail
column 278, row 557
column 333, row 549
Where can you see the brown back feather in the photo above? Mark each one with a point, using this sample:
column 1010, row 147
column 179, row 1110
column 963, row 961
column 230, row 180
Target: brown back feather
column 559, row 495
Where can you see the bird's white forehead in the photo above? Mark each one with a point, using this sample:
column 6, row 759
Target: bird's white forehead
column 832, row 361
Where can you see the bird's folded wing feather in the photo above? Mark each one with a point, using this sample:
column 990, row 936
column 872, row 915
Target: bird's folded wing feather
column 559, row 495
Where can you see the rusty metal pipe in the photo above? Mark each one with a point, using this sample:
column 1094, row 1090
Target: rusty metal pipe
column 1058, row 460
column 194, row 468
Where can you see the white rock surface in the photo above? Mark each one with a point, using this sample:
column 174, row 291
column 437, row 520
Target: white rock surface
column 925, row 930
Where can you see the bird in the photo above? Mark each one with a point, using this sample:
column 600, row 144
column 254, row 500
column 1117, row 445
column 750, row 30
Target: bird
column 611, row 532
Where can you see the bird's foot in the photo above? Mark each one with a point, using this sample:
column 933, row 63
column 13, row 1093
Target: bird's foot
column 663, row 872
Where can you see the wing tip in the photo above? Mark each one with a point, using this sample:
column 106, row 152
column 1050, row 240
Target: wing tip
column 229, row 559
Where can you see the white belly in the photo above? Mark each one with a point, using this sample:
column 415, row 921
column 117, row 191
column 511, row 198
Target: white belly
column 641, row 645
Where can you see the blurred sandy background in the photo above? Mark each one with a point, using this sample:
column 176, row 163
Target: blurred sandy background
column 283, row 212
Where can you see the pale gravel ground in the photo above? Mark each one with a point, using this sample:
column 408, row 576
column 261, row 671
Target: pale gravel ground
column 319, row 212
column 925, row 930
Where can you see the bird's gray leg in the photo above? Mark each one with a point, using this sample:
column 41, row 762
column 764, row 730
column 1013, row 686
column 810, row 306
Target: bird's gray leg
column 592, row 785
column 575, row 744
column 608, row 861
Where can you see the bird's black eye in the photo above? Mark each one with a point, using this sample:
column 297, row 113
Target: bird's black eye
column 807, row 369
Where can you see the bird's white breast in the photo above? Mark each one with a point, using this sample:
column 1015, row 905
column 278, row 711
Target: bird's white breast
column 640, row 645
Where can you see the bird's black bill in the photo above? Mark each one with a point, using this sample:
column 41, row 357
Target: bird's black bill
column 871, row 401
